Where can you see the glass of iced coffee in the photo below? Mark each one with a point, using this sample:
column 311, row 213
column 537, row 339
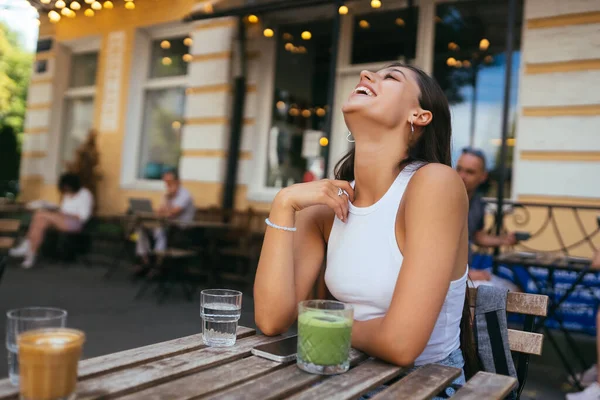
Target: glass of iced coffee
column 48, row 361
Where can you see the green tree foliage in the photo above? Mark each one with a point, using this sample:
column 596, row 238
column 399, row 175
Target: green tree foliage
column 15, row 70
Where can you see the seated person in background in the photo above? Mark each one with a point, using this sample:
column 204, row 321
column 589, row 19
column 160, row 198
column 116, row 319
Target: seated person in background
column 471, row 168
column 75, row 210
column 590, row 379
column 177, row 205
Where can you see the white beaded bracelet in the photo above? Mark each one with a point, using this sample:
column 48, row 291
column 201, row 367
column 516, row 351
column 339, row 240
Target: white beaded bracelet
column 283, row 228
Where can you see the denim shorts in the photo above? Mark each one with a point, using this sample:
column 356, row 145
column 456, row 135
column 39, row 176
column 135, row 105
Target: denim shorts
column 455, row 359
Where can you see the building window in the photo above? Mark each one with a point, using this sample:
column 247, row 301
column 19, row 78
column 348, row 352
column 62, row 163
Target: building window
column 84, row 67
column 385, row 36
column 163, row 107
column 296, row 144
column 79, row 103
column 160, row 147
column 470, row 65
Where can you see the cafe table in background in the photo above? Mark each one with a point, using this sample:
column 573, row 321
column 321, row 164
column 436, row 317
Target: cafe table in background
column 185, row 368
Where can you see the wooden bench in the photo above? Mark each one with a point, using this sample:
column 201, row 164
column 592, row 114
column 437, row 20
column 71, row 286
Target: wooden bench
column 9, row 228
column 525, row 342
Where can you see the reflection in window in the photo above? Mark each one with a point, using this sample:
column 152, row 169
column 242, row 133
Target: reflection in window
column 161, row 132
column 170, row 57
column 470, row 65
column 83, row 69
column 78, row 122
column 295, row 147
column 385, row 36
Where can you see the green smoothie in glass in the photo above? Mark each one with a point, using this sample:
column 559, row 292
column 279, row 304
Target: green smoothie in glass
column 324, row 336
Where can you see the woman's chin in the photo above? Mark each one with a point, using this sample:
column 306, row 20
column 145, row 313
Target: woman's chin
column 354, row 104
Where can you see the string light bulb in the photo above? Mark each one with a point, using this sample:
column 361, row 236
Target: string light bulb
column 323, row 141
column 89, row 1
column 343, row 10
column 253, row 19
column 375, row 3
column 400, row 22
column 306, row 35
column 108, row 5
column 60, row 4
column 268, row 32
column 188, row 41
column 165, row 44
column 187, row 58
column 167, row 61
column 451, row 62
column 53, row 16
column 363, row 23
column 65, row 11
column 89, row 12
column 130, row 5
column 96, row 5
column 45, row 1
column 484, row 44
column 37, row 22
column 75, row 5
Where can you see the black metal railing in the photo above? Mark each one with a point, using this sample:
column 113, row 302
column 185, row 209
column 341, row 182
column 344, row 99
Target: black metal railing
column 519, row 215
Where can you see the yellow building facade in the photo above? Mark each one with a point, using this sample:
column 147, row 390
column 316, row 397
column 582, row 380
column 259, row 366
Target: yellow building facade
column 555, row 113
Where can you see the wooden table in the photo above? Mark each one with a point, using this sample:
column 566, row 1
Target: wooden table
column 186, row 369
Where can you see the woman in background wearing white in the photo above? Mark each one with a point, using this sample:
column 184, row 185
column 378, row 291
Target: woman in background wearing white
column 75, row 210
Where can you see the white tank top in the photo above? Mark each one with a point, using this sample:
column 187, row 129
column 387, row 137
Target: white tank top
column 363, row 263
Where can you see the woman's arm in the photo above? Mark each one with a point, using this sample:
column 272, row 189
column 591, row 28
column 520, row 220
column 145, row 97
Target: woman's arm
column 290, row 261
column 435, row 216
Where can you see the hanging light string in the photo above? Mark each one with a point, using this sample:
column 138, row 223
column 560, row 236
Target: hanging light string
column 89, row 8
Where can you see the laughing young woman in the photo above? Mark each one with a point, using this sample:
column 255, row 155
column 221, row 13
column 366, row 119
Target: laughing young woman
column 392, row 226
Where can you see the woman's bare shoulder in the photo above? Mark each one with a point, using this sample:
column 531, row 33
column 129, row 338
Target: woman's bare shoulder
column 438, row 181
column 440, row 176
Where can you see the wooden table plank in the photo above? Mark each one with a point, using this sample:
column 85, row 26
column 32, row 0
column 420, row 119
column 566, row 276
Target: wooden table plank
column 424, row 383
column 130, row 358
column 210, row 381
column 278, row 384
column 486, row 386
column 157, row 372
column 353, row 384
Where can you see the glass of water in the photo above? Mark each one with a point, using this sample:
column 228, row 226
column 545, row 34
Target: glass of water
column 26, row 319
column 220, row 310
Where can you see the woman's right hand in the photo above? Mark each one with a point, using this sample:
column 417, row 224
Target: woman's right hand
column 323, row 192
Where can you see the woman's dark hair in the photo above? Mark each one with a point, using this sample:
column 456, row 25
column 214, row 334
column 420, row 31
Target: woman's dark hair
column 69, row 182
column 432, row 146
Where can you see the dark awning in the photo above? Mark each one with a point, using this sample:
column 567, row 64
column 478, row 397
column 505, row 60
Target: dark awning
column 228, row 8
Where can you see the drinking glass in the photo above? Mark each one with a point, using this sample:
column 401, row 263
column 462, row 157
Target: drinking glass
column 49, row 359
column 220, row 310
column 26, row 319
column 324, row 333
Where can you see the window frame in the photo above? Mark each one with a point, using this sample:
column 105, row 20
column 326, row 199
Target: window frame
column 140, row 83
column 63, row 62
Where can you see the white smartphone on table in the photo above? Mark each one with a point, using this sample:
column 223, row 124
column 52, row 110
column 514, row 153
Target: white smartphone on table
column 283, row 350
